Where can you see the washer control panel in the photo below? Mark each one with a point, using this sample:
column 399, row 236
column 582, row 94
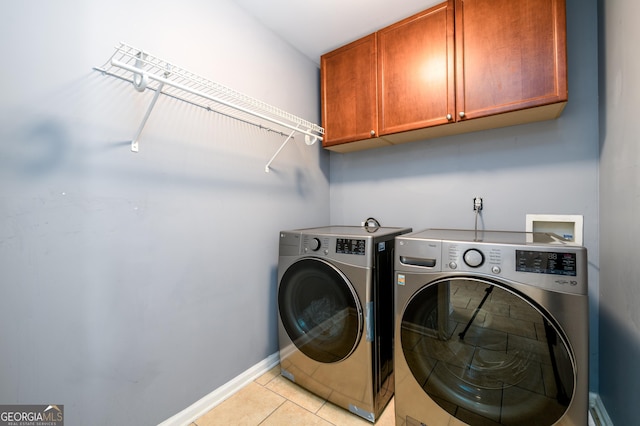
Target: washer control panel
column 314, row 244
column 546, row 262
column 553, row 267
column 473, row 257
column 465, row 257
column 560, row 269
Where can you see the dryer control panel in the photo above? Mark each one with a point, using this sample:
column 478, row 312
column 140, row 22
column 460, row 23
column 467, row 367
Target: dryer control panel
column 348, row 245
column 351, row 246
column 350, row 250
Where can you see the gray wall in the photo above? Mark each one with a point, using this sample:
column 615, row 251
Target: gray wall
column 619, row 210
column 548, row 167
column 135, row 284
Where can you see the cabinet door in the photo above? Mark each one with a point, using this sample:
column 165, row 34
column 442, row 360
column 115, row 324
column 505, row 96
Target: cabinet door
column 348, row 88
column 510, row 55
column 415, row 71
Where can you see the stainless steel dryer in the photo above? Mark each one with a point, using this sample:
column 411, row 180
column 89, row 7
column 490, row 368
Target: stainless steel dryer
column 491, row 329
column 335, row 303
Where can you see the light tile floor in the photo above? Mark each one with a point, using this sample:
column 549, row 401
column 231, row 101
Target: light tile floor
column 274, row 400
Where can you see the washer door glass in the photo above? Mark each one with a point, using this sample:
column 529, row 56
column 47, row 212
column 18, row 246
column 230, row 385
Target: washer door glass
column 486, row 354
column 320, row 310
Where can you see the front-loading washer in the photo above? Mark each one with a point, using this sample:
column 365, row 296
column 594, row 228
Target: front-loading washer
column 335, row 303
column 491, row 329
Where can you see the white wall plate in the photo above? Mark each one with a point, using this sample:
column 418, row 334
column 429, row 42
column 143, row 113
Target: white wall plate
column 569, row 227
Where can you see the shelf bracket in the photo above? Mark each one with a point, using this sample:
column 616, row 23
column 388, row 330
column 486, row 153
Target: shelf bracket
column 267, row 168
column 134, row 142
column 309, row 140
column 140, row 81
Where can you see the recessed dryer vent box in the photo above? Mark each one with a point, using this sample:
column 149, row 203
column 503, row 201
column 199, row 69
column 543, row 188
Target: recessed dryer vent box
column 568, row 227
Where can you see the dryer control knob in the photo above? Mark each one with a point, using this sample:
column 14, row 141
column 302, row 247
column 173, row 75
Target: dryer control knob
column 473, row 258
column 314, row 244
column 453, row 265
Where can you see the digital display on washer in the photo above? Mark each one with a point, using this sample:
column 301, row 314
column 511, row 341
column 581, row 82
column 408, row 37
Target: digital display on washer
column 350, row 246
column 546, row 262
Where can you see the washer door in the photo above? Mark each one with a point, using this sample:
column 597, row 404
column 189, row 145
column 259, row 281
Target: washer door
column 486, row 354
column 320, row 310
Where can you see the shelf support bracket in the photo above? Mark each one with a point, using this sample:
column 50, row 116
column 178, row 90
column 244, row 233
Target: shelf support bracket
column 134, row 142
column 267, row 168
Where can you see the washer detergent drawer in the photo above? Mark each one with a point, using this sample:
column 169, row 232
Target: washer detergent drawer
column 418, row 254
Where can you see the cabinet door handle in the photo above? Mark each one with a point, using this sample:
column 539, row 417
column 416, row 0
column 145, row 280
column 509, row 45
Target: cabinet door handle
column 449, row 117
column 373, row 133
column 461, row 114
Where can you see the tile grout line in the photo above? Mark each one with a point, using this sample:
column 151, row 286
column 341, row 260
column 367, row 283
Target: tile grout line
column 324, row 403
column 275, row 393
column 272, row 412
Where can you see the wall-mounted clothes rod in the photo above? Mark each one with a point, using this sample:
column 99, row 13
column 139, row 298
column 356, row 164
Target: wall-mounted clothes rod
column 149, row 72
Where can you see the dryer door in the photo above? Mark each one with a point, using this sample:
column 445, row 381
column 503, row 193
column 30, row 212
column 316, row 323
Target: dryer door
column 486, row 354
column 320, row 310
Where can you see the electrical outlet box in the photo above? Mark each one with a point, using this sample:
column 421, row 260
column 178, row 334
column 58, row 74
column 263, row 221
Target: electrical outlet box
column 569, row 227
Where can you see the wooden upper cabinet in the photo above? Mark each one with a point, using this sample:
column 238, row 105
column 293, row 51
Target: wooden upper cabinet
column 416, row 71
column 460, row 66
column 510, row 55
column 348, row 92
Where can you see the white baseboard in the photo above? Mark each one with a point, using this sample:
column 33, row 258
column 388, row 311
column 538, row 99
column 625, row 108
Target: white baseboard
column 598, row 411
column 185, row 417
column 206, row 403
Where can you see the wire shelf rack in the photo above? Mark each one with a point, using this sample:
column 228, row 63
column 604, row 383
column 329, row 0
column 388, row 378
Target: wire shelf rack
column 146, row 71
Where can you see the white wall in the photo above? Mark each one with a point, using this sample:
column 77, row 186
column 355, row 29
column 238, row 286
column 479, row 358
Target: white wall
column 620, row 210
column 548, row 167
column 134, row 284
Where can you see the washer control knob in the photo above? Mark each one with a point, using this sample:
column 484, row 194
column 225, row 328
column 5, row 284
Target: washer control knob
column 314, row 244
column 496, row 269
column 453, row 265
column 473, row 258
